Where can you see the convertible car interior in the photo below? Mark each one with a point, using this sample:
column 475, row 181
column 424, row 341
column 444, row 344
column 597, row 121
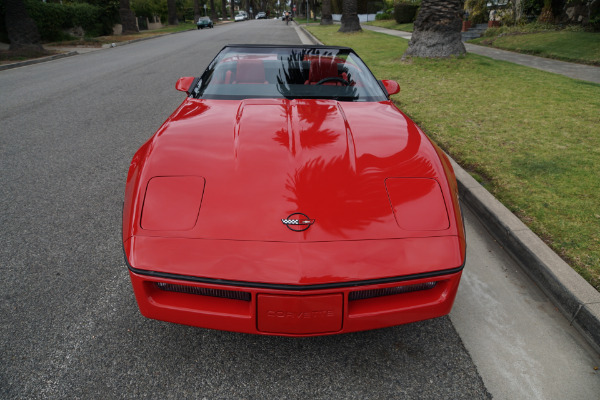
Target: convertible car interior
column 269, row 72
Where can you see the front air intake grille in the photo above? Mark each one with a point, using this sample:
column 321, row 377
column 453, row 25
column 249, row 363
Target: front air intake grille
column 367, row 294
column 226, row 294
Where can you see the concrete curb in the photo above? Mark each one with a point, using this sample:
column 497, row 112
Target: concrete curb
column 574, row 296
column 307, row 33
column 117, row 44
column 37, row 60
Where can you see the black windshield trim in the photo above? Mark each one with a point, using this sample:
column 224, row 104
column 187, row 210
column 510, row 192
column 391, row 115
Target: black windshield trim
column 285, row 78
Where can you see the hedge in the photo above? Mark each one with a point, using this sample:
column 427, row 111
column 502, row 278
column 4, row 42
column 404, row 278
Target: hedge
column 405, row 13
column 52, row 19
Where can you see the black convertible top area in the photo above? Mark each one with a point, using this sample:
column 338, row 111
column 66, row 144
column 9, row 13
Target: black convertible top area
column 291, row 46
column 242, row 71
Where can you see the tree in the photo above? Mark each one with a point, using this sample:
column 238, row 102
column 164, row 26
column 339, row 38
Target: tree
column 22, row 30
column 326, row 18
column 127, row 17
column 213, row 10
column 437, row 30
column 350, row 22
column 172, row 10
column 196, row 10
column 224, row 9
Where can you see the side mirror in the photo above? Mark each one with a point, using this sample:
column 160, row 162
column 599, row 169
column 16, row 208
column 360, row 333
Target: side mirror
column 183, row 84
column 391, row 87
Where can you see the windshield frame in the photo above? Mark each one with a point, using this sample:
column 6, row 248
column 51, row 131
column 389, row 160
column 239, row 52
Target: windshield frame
column 292, row 63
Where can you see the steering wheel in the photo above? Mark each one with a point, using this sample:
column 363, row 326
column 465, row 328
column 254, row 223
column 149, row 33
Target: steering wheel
column 334, row 79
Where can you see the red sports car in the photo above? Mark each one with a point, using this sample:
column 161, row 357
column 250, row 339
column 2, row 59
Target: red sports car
column 287, row 195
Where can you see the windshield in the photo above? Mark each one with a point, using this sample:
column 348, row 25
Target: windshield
column 294, row 73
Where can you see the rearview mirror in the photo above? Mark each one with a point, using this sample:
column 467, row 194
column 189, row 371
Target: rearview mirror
column 391, row 87
column 183, row 84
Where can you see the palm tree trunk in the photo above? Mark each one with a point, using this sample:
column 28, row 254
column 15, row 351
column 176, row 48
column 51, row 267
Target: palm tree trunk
column 22, row 30
column 437, row 30
column 350, row 22
column 172, row 10
column 127, row 17
column 224, row 9
column 326, row 18
column 213, row 11
column 196, row 10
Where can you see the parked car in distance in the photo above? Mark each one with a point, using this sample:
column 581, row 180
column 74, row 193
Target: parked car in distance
column 240, row 16
column 261, row 15
column 204, row 22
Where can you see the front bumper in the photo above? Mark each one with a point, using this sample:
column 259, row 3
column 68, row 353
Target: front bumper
column 287, row 310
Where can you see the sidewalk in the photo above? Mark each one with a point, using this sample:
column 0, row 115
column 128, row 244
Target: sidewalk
column 576, row 71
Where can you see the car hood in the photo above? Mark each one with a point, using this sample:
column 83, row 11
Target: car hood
column 251, row 163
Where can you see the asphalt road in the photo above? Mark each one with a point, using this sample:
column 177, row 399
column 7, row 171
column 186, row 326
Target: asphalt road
column 69, row 324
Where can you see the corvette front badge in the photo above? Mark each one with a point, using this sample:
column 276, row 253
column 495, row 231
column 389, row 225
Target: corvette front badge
column 298, row 222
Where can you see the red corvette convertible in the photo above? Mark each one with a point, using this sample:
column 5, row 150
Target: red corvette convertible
column 287, row 195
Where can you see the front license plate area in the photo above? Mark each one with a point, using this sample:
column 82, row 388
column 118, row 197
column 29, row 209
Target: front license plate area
column 299, row 314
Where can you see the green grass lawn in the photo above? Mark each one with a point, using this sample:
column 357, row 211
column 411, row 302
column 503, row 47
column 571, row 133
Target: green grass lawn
column 581, row 47
column 392, row 24
column 302, row 21
column 530, row 137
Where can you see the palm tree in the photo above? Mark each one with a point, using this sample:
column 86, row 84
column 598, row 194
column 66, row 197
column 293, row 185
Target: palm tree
column 224, row 9
column 213, row 10
column 326, row 13
column 437, row 30
column 22, row 30
column 350, row 22
column 196, row 10
column 172, row 10
column 127, row 17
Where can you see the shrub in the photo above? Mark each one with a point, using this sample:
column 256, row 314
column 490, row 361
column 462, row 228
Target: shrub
column 594, row 23
column 405, row 13
column 52, row 19
column 478, row 11
column 387, row 14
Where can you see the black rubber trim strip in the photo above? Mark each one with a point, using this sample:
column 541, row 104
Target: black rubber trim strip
column 256, row 285
column 286, row 46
